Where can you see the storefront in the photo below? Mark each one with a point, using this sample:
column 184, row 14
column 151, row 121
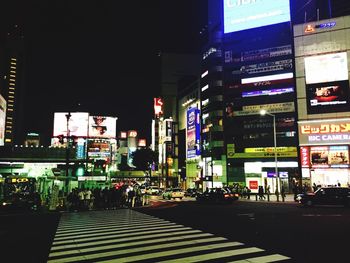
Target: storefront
column 324, row 151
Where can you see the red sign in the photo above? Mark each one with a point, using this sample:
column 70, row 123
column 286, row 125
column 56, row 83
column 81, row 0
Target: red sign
column 158, row 106
column 253, row 185
column 123, row 135
column 305, row 156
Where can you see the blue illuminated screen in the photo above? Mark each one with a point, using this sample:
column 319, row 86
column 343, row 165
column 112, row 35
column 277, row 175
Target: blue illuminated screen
column 246, row 14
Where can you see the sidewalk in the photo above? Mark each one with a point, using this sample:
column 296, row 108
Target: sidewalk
column 255, row 198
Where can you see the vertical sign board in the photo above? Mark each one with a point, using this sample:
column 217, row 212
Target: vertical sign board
column 193, row 133
column 2, row 120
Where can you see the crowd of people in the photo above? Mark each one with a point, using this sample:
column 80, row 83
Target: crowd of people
column 106, row 198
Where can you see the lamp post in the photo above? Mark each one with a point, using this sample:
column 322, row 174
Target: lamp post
column 68, row 115
column 263, row 113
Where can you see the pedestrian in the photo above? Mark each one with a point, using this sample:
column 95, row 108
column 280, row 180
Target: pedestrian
column 261, row 193
column 268, row 192
column 283, row 193
column 87, row 199
column 81, row 199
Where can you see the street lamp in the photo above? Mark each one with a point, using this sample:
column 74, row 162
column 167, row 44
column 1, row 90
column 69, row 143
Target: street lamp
column 263, row 113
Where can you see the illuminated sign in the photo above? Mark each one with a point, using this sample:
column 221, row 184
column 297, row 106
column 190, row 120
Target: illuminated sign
column 78, row 124
column 258, row 54
column 304, row 157
column 141, row 143
column 253, row 185
column 324, row 132
column 245, row 14
column 230, row 150
column 266, row 67
column 102, row 127
column 132, row 134
column 311, row 28
column 269, row 92
column 2, row 120
column 267, row 78
column 271, row 108
column 158, row 106
column 326, row 68
column 263, row 155
column 193, row 133
column 270, row 149
column 123, row 135
column 92, row 178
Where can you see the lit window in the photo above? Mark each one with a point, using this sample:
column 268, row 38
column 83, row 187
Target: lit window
column 205, row 73
column 205, row 87
column 205, row 102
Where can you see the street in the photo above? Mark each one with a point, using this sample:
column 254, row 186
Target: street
column 181, row 231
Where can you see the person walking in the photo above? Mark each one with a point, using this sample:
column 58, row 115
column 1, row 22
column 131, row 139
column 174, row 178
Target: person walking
column 261, row 193
column 283, row 193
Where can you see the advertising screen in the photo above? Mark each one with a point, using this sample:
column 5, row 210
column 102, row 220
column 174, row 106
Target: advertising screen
column 245, row 14
column 2, row 120
column 326, row 68
column 78, row 124
column 328, row 97
column 102, row 127
column 329, row 156
column 319, row 156
column 98, row 149
column 193, row 133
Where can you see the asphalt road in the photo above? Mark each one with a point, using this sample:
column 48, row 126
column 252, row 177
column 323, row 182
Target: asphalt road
column 317, row 234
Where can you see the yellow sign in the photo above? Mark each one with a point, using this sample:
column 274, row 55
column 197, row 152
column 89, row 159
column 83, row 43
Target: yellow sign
column 264, row 155
column 270, row 149
column 271, row 108
column 230, row 150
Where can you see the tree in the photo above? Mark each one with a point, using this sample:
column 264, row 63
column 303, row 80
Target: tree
column 143, row 159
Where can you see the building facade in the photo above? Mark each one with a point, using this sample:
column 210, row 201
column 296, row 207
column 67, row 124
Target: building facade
column 322, row 77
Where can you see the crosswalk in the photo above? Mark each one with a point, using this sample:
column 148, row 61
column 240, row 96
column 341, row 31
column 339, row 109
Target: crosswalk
column 129, row 236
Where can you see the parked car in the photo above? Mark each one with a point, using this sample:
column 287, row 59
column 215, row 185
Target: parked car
column 191, row 192
column 326, row 196
column 217, row 195
column 153, row 190
column 172, row 193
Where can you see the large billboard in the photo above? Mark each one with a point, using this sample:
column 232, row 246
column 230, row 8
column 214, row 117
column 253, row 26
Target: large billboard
column 2, row 120
column 78, row 124
column 324, row 132
column 246, row 14
column 193, row 133
column 328, row 97
column 326, row 68
column 102, row 127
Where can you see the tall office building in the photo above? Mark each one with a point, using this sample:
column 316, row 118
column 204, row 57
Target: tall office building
column 13, row 81
column 211, row 88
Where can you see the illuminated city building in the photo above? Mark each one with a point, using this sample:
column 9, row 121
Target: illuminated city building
column 322, row 77
column 13, row 64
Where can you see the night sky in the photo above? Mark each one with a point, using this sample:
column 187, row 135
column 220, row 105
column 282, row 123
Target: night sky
column 99, row 56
